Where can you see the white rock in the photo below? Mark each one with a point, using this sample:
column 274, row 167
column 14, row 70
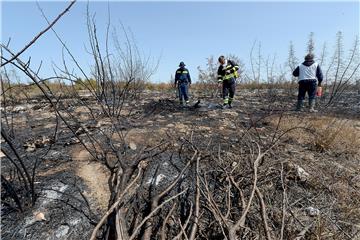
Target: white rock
column 31, row 148
column 302, row 174
column 132, row 146
column 312, row 212
column 20, row 108
column 159, row 178
column 39, row 216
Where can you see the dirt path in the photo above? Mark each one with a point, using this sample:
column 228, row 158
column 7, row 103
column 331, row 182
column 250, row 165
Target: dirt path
column 95, row 177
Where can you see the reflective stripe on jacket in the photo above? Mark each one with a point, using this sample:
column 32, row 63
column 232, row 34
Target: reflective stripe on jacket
column 182, row 75
column 229, row 71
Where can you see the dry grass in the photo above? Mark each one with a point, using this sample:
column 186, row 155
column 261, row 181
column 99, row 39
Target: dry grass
column 330, row 153
column 324, row 133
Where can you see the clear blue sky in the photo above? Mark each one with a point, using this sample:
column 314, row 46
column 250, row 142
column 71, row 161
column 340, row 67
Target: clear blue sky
column 183, row 31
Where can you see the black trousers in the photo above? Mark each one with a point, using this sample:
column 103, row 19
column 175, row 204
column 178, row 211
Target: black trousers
column 228, row 90
column 307, row 86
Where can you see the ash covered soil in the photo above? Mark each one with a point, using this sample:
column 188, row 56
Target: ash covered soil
column 315, row 161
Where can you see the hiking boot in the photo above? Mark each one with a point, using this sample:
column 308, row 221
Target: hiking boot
column 312, row 106
column 299, row 105
column 230, row 106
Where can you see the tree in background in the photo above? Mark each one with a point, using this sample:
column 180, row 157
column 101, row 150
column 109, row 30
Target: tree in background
column 311, row 43
column 342, row 71
column 292, row 63
column 292, row 60
column 208, row 77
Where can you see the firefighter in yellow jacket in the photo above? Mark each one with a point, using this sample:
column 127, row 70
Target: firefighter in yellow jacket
column 227, row 74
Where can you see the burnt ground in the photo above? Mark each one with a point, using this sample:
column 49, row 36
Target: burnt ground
column 321, row 165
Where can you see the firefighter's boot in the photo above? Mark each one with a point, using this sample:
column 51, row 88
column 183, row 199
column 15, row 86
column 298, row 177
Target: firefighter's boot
column 312, row 106
column 299, row 105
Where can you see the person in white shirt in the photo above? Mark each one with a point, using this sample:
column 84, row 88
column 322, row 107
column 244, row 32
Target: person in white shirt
column 310, row 77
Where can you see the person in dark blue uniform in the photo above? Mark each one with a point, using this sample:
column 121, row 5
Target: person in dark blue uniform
column 182, row 82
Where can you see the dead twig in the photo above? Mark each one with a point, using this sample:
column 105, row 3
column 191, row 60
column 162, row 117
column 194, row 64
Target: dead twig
column 39, row 35
column 163, row 235
column 197, row 203
column 134, row 234
column 263, row 213
column 141, row 167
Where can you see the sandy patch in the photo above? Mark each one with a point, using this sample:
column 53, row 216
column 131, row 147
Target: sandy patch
column 95, row 176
